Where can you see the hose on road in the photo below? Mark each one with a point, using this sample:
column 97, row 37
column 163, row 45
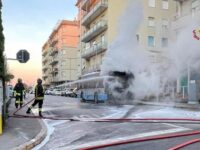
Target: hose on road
column 131, row 120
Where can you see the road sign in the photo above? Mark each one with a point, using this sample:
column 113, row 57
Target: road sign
column 23, row 56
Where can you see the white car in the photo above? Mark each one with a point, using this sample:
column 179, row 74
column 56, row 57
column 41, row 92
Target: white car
column 71, row 92
column 57, row 92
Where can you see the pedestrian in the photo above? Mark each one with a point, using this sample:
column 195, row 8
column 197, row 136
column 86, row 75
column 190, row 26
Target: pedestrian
column 39, row 97
column 18, row 93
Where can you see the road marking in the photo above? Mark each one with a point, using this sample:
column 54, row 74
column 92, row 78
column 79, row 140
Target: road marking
column 172, row 125
column 142, row 135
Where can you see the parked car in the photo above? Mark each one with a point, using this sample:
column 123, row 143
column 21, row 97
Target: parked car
column 71, row 92
column 48, row 92
column 57, row 92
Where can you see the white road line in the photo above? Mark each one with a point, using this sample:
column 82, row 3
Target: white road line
column 172, row 125
column 142, row 135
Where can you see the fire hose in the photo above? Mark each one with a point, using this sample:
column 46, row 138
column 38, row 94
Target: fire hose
column 133, row 120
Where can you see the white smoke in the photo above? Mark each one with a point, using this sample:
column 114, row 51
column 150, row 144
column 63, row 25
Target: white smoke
column 124, row 54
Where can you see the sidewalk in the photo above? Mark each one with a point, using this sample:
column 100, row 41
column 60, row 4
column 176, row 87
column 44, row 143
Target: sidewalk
column 177, row 104
column 21, row 133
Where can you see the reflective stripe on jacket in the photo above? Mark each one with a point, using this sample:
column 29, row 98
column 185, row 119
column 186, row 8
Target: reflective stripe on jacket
column 39, row 92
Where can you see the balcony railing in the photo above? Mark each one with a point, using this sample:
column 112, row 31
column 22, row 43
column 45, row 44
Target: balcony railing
column 100, row 7
column 44, row 77
column 95, row 68
column 53, row 52
column 100, row 27
column 84, row 4
column 53, row 43
column 44, row 53
column 44, row 61
column 54, row 61
column 180, row 21
column 94, row 50
column 45, row 68
column 55, row 70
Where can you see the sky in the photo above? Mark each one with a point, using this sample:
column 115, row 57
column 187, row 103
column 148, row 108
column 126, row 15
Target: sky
column 27, row 25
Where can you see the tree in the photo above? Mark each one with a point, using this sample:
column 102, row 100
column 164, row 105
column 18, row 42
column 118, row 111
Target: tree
column 2, row 63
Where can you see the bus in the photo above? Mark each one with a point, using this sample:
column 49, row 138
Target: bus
column 89, row 88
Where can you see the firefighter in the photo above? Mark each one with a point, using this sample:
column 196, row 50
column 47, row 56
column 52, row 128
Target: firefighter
column 39, row 97
column 18, row 93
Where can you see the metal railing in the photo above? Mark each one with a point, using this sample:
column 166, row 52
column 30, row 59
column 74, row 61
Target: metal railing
column 95, row 68
column 95, row 11
column 94, row 50
column 94, row 31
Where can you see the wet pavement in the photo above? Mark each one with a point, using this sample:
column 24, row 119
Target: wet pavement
column 18, row 132
column 64, row 134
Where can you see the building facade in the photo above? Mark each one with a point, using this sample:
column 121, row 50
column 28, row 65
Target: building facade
column 99, row 22
column 59, row 54
column 187, row 11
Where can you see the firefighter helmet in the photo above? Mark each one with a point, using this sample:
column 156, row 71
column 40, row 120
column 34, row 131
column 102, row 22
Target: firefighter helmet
column 19, row 80
column 39, row 81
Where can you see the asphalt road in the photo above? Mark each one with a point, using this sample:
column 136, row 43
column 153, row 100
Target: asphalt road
column 73, row 135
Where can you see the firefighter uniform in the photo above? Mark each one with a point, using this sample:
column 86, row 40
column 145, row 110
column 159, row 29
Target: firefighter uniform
column 39, row 97
column 18, row 93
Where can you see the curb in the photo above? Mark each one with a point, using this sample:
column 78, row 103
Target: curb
column 35, row 141
column 177, row 105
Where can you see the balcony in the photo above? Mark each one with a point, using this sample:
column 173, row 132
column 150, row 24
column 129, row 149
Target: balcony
column 95, row 12
column 55, row 79
column 96, row 30
column 45, row 68
column 180, row 21
column 53, row 52
column 53, row 43
column 95, row 68
column 54, row 61
column 44, row 77
column 54, row 71
column 44, row 52
column 84, row 4
column 94, row 50
column 44, row 61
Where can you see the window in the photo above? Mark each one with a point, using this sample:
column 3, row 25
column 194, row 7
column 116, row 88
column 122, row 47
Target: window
column 151, row 41
column 152, row 3
column 164, row 42
column 63, row 63
column 63, row 74
column 151, row 21
column 165, row 23
column 195, row 5
column 63, row 51
column 165, row 4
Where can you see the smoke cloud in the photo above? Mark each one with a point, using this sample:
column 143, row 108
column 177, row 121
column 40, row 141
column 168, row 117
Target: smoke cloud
column 125, row 55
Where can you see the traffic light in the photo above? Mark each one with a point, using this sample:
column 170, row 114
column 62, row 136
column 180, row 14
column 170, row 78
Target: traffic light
column 23, row 56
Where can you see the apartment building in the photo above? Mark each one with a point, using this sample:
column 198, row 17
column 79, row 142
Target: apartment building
column 99, row 22
column 187, row 11
column 59, row 54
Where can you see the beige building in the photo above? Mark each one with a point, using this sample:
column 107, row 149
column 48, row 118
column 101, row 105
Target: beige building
column 186, row 11
column 59, row 54
column 99, row 21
